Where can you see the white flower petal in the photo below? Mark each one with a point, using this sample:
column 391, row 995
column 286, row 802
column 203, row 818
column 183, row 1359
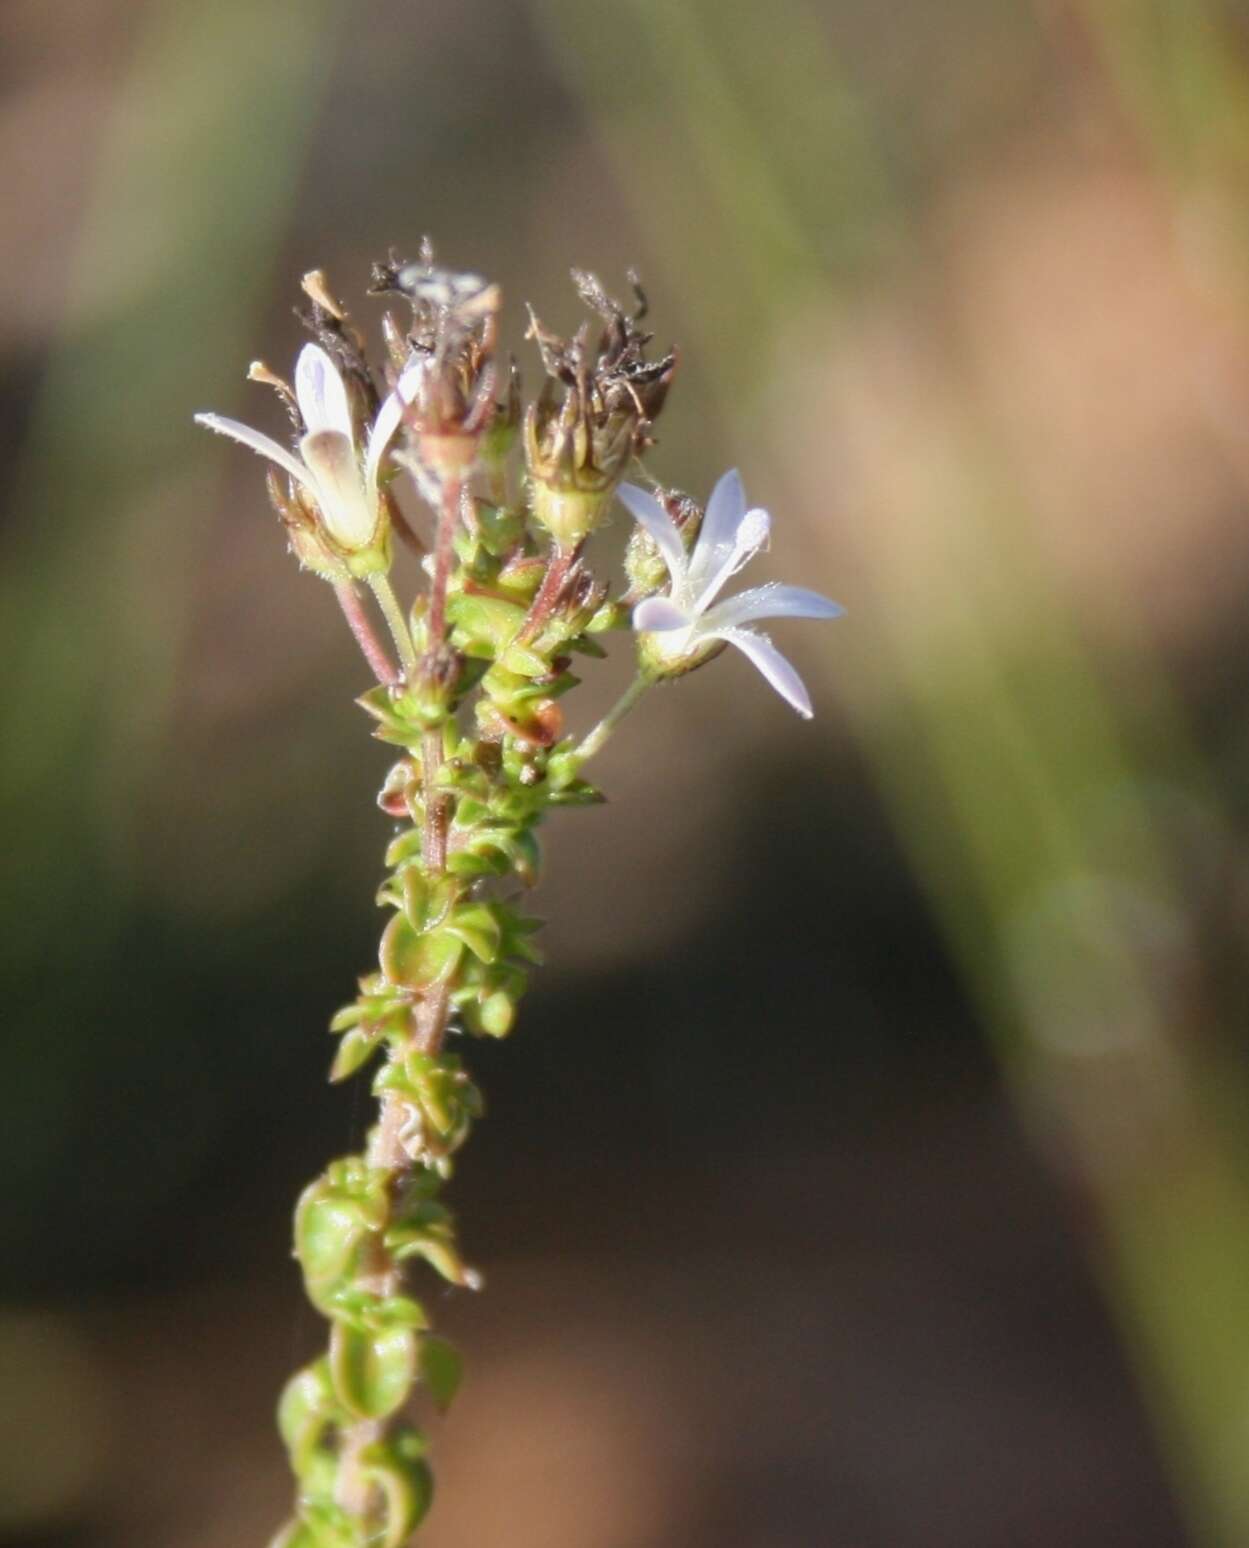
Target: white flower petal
column 411, row 375
column 724, row 511
column 259, row 442
column 752, row 534
column 350, row 517
column 658, row 615
column 774, row 667
column 770, row 601
column 651, row 516
column 384, row 427
column 723, row 516
column 321, row 394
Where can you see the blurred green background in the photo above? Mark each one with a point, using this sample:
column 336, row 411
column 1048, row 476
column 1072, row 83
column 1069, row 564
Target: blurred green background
column 870, row 1166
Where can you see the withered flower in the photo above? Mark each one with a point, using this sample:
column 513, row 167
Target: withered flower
column 453, row 335
column 595, row 412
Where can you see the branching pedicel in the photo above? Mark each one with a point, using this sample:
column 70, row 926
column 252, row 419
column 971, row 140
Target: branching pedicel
column 471, row 698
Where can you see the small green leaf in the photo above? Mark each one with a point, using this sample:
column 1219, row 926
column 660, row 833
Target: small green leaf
column 611, row 615
column 306, row 1409
column 466, row 863
column 501, row 848
column 398, row 1311
column 333, row 1216
column 398, row 1467
column 414, row 960
column 579, row 793
column 372, row 1372
column 525, row 662
column 404, row 847
column 377, row 702
column 323, row 1525
column 496, row 1015
column 441, row 1370
column 295, row 1534
column 441, row 1255
column 477, row 925
column 415, row 892
column 526, row 856
column 327, row 1233
column 483, row 624
column 355, row 1050
column 469, row 811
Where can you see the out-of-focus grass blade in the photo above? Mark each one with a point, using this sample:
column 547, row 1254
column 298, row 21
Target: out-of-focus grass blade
column 196, row 170
column 1013, row 775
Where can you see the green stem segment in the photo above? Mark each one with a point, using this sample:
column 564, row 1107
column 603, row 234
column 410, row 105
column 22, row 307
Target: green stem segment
column 595, row 740
column 452, row 948
column 393, row 614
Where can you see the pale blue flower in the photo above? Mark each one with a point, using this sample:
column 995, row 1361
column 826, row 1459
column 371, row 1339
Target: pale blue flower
column 683, row 627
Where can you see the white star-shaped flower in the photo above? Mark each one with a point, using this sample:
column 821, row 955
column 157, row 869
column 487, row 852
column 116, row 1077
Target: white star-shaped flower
column 342, row 483
column 682, row 628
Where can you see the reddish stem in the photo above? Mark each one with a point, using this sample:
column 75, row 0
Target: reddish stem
column 543, row 604
column 360, row 625
column 447, row 518
column 436, row 804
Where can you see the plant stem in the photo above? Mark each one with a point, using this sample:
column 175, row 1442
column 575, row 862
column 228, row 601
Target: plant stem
column 543, row 604
column 596, row 738
column 362, row 629
column 354, row 1493
column 393, row 614
column 448, row 515
column 432, row 1016
column 435, row 846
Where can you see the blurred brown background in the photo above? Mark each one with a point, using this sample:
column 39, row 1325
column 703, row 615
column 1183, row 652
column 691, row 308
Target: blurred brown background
column 868, row 1167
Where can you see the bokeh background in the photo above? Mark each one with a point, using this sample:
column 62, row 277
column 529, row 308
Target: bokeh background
column 869, row 1167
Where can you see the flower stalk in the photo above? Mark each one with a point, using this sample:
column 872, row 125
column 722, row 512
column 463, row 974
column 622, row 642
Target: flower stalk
column 393, row 614
column 361, row 626
column 596, row 740
column 474, row 713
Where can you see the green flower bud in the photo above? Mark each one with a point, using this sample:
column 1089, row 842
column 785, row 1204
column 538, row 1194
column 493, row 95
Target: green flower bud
column 644, row 564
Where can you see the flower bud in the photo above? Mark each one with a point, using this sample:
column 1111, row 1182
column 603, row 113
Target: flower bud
column 644, row 564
